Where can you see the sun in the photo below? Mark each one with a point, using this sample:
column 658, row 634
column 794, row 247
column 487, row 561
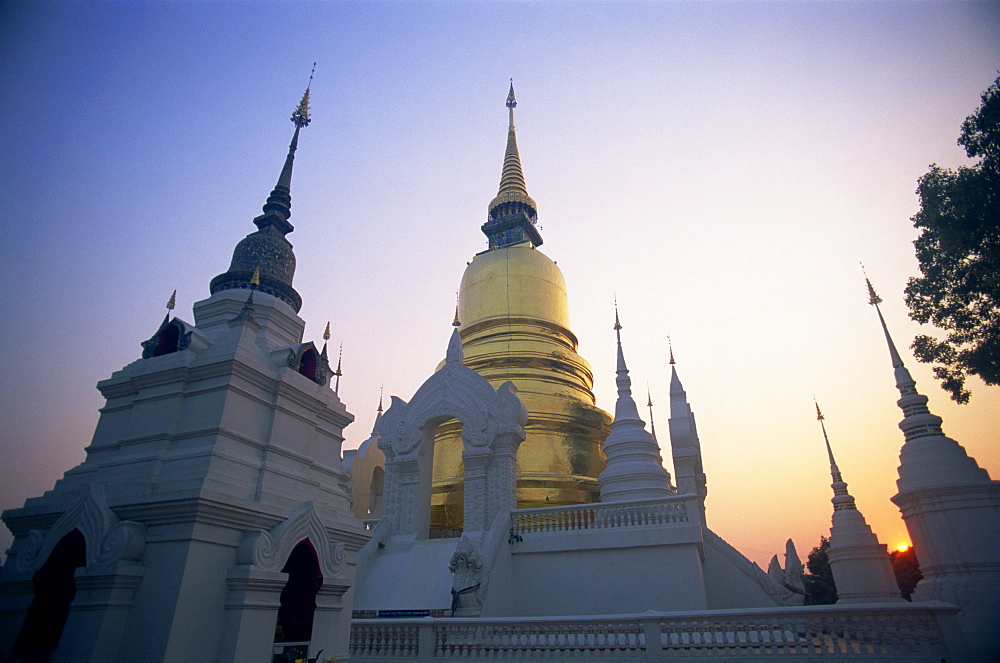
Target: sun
column 903, row 547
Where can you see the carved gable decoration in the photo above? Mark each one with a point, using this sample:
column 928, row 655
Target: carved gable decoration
column 306, row 360
column 268, row 551
column 457, row 392
column 173, row 335
column 109, row 539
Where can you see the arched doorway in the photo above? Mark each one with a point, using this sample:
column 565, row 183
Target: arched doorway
column 55, row 587
column 447, row 518
column 298, row 598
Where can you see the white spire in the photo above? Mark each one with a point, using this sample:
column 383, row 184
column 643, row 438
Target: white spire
column 860, row 564
column 684, row 443
column 635, row 469
column 928, row 458
column 454, row 348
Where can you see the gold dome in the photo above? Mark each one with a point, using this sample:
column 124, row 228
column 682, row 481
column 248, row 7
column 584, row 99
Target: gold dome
column 515, row 326
column 518, row 282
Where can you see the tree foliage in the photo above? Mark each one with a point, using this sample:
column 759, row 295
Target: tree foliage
column 820, row 589
column 907, row 570
column 958, row 250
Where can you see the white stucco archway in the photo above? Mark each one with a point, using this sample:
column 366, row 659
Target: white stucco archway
column 492, row 429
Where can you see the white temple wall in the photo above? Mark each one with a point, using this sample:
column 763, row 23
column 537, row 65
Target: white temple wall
column 606, row 572
column 501, row 600
column 731, row 581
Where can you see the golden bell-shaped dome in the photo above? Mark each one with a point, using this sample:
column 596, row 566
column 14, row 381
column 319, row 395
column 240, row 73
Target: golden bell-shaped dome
column 515, row 326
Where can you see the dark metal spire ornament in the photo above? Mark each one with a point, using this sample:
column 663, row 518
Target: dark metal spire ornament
column 268, row 249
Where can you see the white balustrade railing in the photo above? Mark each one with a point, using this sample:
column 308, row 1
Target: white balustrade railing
column 875, row 632
column 601, row 515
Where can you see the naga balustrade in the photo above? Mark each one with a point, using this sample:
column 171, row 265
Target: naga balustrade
column 924, row 632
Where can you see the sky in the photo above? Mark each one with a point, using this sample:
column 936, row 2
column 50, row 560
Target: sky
column 719, row 167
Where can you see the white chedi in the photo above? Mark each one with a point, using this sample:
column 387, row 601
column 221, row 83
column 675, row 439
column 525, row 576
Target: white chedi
column 634, row 468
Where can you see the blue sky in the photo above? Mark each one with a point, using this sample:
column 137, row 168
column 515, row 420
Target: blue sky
column 722, row 167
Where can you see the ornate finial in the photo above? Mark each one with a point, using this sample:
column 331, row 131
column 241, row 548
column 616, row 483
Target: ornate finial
column 873, row 297
column 456, row 322
column 255, row 279
column 338, row 372
column 671, row 346
column 172, row 301
column 829, row 450
column 326, row 333
column 649, row 404
column 618, row 324
column 511, row 101
column 380, row 397
column 248, row 314
column 300, row 116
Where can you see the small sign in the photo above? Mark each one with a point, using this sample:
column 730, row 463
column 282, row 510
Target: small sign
column 397, row 614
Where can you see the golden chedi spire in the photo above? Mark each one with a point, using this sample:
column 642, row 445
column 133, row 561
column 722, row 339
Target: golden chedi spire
column 513, row 215
column 514, row 326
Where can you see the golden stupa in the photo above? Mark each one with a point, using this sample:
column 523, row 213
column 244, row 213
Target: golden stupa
column 513, row 318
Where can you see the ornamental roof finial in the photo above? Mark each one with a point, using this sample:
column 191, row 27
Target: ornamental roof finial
column 842, row 500
column 649, row 404
column 172, row 301
column 512, row 214
column 338, row 372
column 326, row 332
column 511, row 104
column 300, row 116
column 670, row 345
column 873, row 298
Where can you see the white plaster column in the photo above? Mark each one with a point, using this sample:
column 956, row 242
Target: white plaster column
column 476, row 464
column 252, row 601
column 97, row 616
column 331, row 623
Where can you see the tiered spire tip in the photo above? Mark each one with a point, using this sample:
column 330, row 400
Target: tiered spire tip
column 512, row 213
column 842, row 500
